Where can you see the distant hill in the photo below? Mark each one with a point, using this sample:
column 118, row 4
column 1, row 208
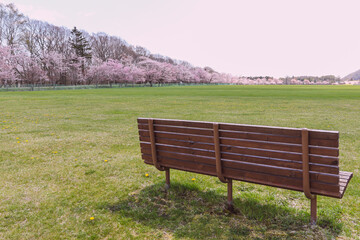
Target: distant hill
column 352, row 76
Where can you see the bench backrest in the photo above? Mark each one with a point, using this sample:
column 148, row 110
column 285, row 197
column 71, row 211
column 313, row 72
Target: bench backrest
column 258, row 154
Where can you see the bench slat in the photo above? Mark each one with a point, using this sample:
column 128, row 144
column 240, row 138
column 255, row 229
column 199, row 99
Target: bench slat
column 224, row 126
column 316, row 134
column 171, row 122
column 325, row 151
column 326, row 160
column 246, row 158
column 255, row 167
column 243, row 135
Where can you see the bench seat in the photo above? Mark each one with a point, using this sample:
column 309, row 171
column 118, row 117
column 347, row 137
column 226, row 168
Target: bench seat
column 345, row 178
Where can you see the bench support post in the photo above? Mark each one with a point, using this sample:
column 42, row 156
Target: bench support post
column 219, row 173
column 153, row 145
column 306, row 174
column 230, row 195
column 167, row 175
column 217, row 150
column 313, row 210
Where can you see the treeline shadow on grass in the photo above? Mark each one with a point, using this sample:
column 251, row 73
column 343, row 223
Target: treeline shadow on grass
column 188, row 212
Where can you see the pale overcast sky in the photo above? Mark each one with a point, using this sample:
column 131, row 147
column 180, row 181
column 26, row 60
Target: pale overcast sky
column 242, row 37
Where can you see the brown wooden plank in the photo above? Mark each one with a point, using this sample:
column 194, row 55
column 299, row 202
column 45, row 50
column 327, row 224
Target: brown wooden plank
column 325, row 151
column 246, row 158
column 324, row 142
column 313, row 134
column 316, row 134
column 173, row 122
column 260, row 178
column 281, row 171
column 249, row 151
column 260, row 129
column 179, row 129
column 179, row 136
column 254, row 167
column 246, row 143
column 259, row 136
column 319, row 134
column 281, row 163
column 243, row 135
column 224, row 133
column 225, row 126
column 180, row 149
column 192, row 144
column 325, row 135
column 261, row 144
column 325, row 160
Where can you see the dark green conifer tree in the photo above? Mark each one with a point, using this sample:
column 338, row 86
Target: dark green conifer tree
column 80, row 45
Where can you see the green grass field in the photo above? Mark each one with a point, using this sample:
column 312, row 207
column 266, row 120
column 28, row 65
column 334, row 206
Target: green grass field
column 73, row 155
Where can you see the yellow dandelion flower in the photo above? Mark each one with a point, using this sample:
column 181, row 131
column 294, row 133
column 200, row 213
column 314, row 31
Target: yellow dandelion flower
column 32, row 157
column 92, row 218
column 17, row 138
column 55, row 152
column 26, row 141
column 105, row 160
column 193, row 179
column 18, row 141
column 146, row 175
column 75, row 159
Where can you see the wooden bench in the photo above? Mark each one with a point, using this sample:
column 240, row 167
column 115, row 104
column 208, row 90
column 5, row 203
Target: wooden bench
column 297, row 159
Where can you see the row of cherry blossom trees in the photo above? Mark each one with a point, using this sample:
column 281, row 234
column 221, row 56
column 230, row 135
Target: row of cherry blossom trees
column 34, row 52
column 18, row 68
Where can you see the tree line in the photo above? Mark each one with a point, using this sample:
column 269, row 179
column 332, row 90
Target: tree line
column 34, row 52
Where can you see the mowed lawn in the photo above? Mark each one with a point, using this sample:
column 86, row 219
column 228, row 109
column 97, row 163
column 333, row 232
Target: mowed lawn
column 70, row 165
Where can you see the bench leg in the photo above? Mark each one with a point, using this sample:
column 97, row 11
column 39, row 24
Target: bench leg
column 230, row 195
column 313, row 210
column 167, row 175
